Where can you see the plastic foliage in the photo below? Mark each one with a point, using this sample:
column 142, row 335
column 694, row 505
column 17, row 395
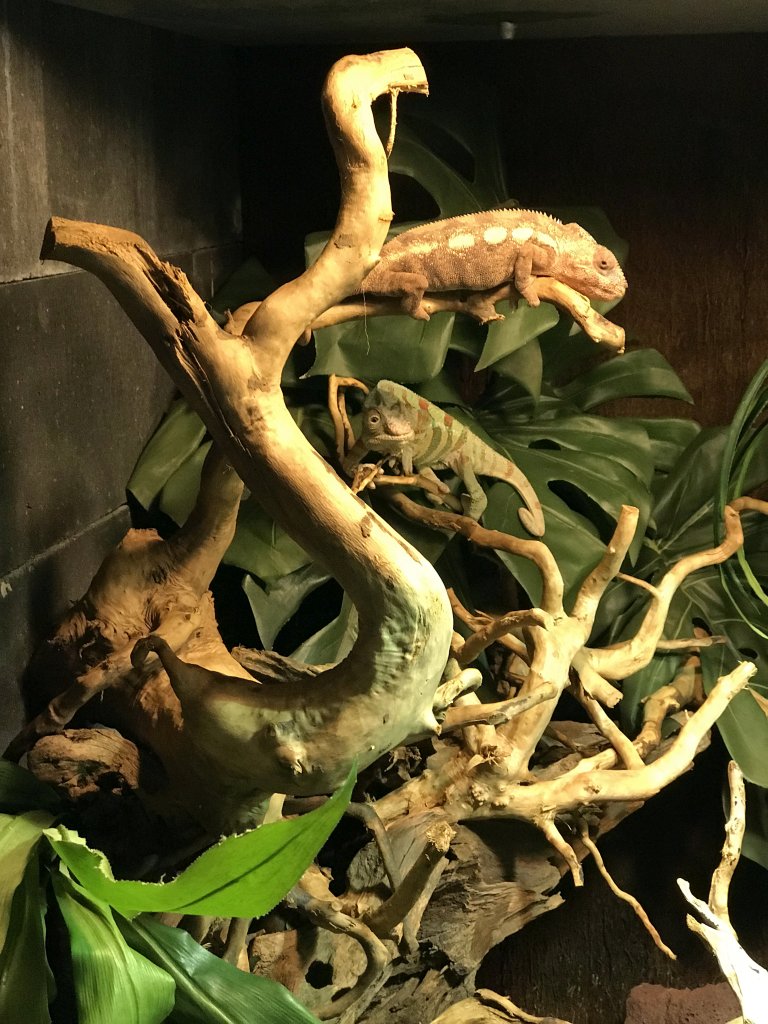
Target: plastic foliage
column 684, row 508
column 125, row 966
column 580, row 471
column 746, row 458
column 542, row 384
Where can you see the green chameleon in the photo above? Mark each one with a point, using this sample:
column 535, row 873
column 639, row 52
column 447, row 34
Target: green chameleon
column 399, row 423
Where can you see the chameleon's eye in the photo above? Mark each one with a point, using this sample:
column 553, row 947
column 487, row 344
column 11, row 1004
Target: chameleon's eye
column 605, row 261
column 373, row 419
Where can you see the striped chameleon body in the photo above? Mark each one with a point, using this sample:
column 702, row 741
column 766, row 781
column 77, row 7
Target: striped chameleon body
column 399, row 423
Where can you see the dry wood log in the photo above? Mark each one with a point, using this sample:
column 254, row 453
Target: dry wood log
column 383, row 691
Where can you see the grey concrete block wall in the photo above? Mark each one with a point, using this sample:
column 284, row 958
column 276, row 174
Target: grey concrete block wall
column 108, row 121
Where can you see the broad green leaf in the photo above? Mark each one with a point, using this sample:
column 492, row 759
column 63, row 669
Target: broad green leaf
column 614, row 439
column 333, row 642
column 468, row 337
column 519, row 326
column 242, row 876
column 24, row 972
column 262, row 547
column 744, row 724
column 278, row 603
column 444, row 389
column 755, row 845
column 19, row 835
column 668, row 437
column 112, row 981
column 683, row 508
column 643, row 373
column 452, row 192
column 209, row 990
column 659, row 672
column 375, row 349
column 593, row 482
column 259, row 546
column 572, row 539
column 177, row 437
column 455, row 116
column 524, row 366
column 21, row 791
column 746, row 450
column 249, row 282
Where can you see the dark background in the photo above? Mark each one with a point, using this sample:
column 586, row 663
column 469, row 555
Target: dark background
column 172, row 137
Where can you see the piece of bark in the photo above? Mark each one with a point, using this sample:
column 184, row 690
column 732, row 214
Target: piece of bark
column 655, row 1004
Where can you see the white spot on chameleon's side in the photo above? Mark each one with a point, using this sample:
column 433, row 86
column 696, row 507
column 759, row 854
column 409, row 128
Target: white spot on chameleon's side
column 461, row 241
column 423, row 248
column 495, row 235
column 521, row 235
column 545, row 239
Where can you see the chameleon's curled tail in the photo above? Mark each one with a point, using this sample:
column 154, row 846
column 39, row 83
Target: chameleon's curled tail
column 532, row 516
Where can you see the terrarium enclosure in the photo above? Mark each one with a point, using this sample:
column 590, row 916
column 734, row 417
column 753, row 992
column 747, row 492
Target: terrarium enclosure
column 205, row 137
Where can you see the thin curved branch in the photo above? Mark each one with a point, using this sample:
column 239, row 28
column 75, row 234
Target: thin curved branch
column 546, row 825
column 627, row 657
column 367, row 814
column 479, row 620
column 534, row 550
column 592, row 589
column 497, row 627
column 735, row 827
column 620, row 742
column 623, row 895
column 497, row 713
column 588, row 785
column 408, row 900
column 487, row 997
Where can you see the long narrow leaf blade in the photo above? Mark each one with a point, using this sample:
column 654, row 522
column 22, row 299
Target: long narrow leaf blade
column 19, row 835
column 23, row 967
column 209, row 989
column 112, row 981
column 242, row 876
column 21, row 791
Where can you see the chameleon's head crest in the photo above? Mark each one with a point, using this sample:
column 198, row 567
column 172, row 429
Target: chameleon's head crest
column 386, row 420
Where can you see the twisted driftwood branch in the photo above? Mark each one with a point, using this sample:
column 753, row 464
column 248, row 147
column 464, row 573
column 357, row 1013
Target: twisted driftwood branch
column 556, row 645
column 383, row 691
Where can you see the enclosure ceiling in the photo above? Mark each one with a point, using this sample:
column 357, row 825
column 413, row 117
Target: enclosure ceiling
column 251, row 22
